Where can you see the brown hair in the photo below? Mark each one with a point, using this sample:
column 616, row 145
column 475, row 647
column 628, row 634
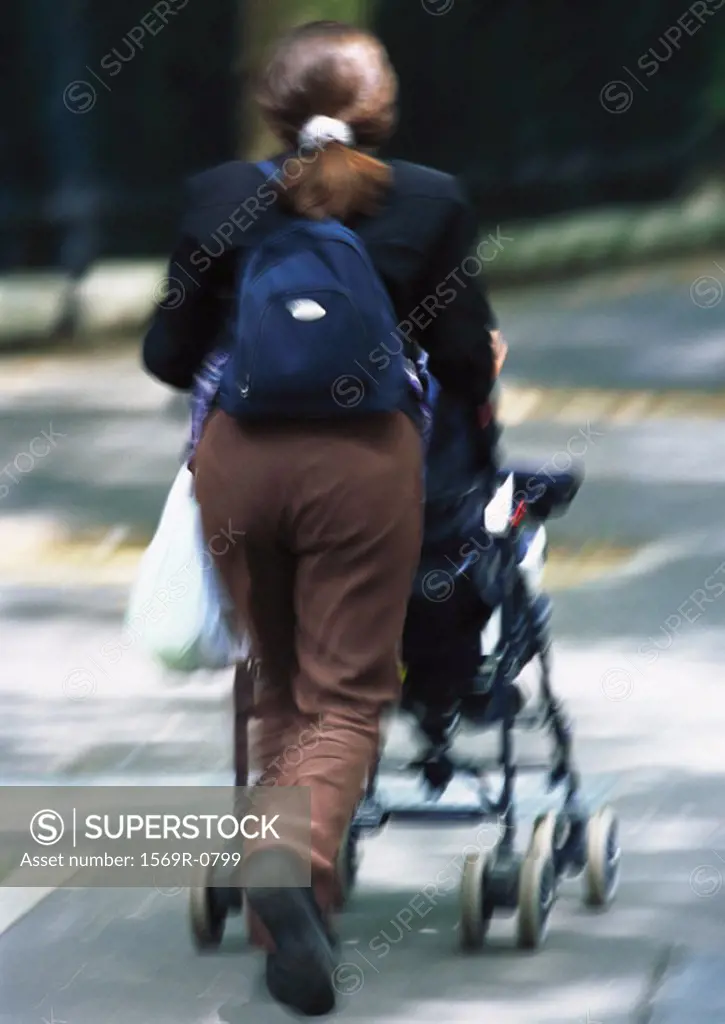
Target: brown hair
column 336, row 70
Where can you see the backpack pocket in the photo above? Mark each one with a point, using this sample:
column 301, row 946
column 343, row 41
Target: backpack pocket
column 308, row 345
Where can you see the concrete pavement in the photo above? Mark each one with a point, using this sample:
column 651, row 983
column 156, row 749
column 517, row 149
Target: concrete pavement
column 638, row 655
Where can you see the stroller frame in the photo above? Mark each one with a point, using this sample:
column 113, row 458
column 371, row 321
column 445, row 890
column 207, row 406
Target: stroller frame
column 524, row 636
column 570, row 841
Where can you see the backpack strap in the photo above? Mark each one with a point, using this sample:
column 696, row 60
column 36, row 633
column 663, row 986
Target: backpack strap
column 267, row 167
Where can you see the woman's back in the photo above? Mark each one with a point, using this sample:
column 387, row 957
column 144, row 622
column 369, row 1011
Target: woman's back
column 418, row 240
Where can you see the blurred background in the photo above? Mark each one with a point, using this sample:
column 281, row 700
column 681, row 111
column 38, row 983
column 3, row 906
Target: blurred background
column 542, row 108
column 591, row 137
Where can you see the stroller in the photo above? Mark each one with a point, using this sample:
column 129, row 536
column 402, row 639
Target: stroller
column 477, row 617
column 479, row 583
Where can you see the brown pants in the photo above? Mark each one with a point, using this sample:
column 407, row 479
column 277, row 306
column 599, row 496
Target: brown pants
column 325, row 526
column 244, row 681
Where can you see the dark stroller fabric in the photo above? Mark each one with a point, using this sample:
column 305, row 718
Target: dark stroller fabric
column 454, row 589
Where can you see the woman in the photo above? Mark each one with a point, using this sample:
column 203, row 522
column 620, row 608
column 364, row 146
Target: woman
column 329, row 512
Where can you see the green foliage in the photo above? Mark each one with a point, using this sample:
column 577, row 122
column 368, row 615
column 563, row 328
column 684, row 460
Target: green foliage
column 302, row 11
column 265, row 20
column 716, row 88
column 339, row 10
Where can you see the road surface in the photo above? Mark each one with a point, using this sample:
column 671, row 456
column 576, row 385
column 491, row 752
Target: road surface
column 639, row 648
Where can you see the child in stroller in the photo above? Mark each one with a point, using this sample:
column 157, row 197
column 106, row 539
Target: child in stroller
column 476, row 617
column 454, row 591
column 461, row 582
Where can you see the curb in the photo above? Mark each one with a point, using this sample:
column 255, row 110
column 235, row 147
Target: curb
column 116, row 297
column 119, row 296
column 615, row 236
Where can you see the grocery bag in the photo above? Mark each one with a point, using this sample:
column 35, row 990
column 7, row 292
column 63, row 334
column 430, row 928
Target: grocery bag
column 179, row 612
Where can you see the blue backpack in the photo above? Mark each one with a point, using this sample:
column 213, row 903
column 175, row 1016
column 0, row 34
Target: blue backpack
column 315, row 333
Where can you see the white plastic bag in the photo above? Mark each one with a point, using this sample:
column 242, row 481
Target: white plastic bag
column 179, row 611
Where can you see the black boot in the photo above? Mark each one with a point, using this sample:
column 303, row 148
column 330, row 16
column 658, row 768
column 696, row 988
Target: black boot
column 438, row 726
column 300, row 974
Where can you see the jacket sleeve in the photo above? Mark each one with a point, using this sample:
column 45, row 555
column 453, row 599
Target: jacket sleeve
column 192, row 308
column 457, row 335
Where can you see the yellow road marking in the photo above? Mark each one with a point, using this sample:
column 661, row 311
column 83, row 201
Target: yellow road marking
column 574, row 567
column 578, row 406
column 82, row 564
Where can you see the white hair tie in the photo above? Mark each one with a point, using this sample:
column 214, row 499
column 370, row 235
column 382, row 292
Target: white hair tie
column 320, row 130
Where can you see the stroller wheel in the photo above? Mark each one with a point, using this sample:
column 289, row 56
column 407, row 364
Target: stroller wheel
column 537, row 890
column 544, row 830
column 601, row 878
column 209, row 907
column 476, row 911
column 348, row 862
column 552, row 832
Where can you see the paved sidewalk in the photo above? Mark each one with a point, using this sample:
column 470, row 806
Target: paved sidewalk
column 627, row 375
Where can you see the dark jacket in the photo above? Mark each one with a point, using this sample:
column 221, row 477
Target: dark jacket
column 419, row 244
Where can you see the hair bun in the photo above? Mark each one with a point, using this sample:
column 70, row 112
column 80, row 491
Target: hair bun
column 320, row 130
